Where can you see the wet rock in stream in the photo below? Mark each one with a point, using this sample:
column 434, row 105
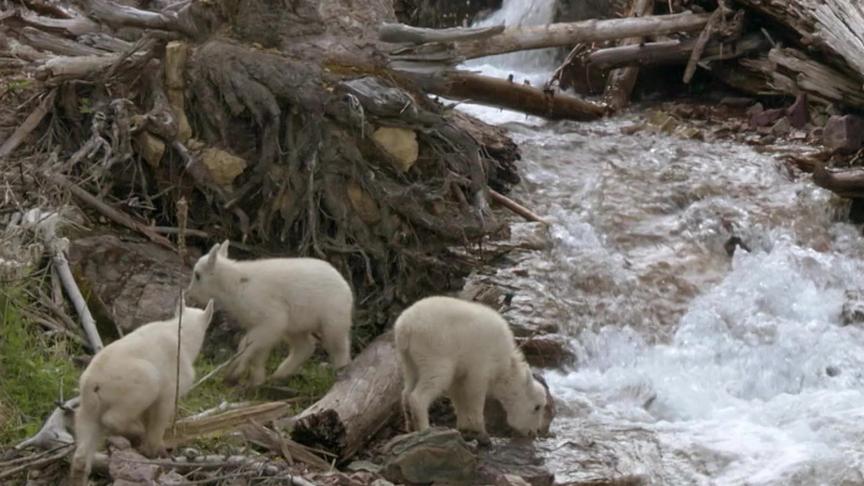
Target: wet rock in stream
column 440, row 455
column 517, row 458
column 435, row 455
column 853, row 308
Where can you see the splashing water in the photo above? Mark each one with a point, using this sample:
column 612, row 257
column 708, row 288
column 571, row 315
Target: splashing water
column 693, row 367
column 532, row 66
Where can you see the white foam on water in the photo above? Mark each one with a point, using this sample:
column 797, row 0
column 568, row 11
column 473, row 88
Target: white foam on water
column 753, row 379
column 760, row 377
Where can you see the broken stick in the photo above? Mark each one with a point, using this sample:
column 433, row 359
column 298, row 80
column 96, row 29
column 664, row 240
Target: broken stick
column 47, row 230
column 702, row 40
column 30, row 124
column 516, row 207
column 109, row 212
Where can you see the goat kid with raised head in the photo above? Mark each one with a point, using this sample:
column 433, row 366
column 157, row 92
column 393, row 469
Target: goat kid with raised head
column 291, row 299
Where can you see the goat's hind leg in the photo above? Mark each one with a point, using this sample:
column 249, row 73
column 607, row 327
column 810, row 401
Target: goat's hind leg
column 301, row 347
column 255, row 348
column 158, row 418
column 432, row 380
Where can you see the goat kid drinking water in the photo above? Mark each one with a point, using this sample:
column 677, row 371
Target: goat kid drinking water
column 466, row 350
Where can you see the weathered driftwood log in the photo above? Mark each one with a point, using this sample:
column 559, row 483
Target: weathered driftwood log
column 620, row 83
column 57, row 429
column 45, row 41
column 559, row 35
column 400, row 33
column 834, row 26
column 491, row 91
column 555, row 35
column 674, row 52
column 117, row 16
column 362, row 401
column 843, row 182
column 789, row 71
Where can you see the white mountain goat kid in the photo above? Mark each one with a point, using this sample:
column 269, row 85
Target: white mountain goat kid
column 466, row 350
column 295, row 299
column 129, row 387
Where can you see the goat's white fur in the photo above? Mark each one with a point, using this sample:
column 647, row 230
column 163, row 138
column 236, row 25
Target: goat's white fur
column 466, row 350
column 129, row 386
column 295, row 299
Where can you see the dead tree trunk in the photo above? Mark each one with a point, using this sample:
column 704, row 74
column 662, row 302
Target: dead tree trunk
column 843, row 182
column 560, row 35
column 555, row 35
column 490, row 91
column 835, row 27
column 788, row 71
column 620, row 83
column 362, row 401
column 673, row 52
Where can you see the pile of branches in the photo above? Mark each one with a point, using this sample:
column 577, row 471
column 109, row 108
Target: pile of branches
column 280, row 128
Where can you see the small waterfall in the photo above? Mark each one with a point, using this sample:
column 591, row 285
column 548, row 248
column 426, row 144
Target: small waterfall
column 534, row 66
column 521, row 13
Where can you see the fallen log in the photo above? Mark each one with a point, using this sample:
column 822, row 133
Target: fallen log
column 843, row 182
column 56, row 44
column 561, row 35
column 364, row 399
column 674, row 52
column 117, row 16
column 835, row 27
column 76, row 26
column 788, row 71
column 400, row 33
column 556, row 35
column 620, row 83
column 486, row 90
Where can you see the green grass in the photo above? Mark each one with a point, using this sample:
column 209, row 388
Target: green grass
column 33, row 367
column 310, row 383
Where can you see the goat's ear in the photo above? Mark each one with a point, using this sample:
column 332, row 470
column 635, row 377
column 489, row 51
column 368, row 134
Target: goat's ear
column 211, row 257
column 223, row 249
column 208, row 311
column 529, row 377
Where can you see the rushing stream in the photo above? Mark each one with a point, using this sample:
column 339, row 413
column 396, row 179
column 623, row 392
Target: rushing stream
column 693, row 367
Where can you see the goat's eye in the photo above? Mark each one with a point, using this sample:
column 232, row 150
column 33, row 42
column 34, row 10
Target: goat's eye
column 537, row 408
column 197, row 276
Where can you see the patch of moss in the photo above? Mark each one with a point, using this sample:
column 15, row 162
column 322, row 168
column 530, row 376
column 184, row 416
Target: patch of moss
column 34, row 367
